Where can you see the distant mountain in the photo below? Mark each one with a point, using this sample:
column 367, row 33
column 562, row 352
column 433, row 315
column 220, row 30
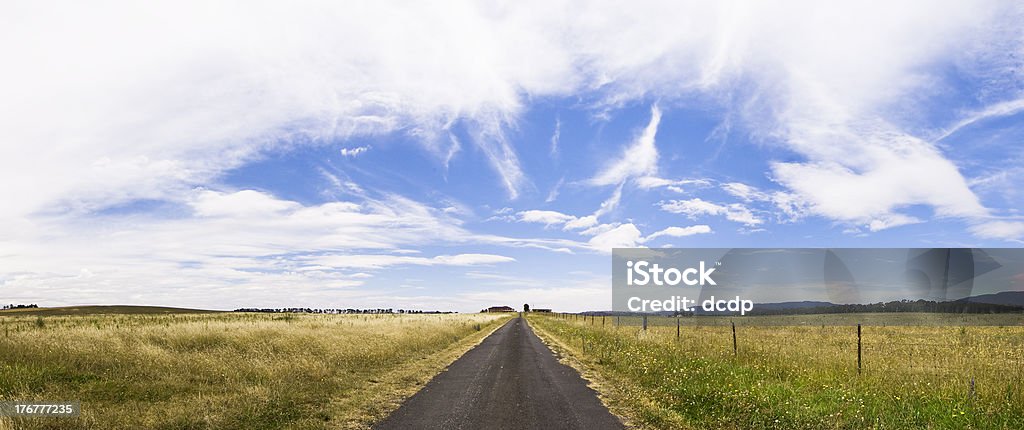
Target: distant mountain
column 1007, row 301
column 1006, row 298
column 793, row 305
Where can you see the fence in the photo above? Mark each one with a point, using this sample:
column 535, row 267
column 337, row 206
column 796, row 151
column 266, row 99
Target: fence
column 892, row 345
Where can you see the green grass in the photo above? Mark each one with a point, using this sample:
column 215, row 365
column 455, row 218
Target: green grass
column 801, row 372
column 227, row 370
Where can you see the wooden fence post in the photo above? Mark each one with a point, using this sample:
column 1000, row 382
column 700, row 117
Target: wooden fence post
column 677, row 329
column 645, row 322
column 734, row 349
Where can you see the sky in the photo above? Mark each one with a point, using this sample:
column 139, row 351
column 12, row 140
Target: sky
column 459, row 155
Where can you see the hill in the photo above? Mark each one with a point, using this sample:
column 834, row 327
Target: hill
column 1005, row 298
column 96, row 310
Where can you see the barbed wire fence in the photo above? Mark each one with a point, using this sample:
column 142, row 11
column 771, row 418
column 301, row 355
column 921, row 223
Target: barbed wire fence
column 959, row 355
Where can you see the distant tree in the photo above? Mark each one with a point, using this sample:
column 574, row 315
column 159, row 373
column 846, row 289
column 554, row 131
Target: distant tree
column 526, row 307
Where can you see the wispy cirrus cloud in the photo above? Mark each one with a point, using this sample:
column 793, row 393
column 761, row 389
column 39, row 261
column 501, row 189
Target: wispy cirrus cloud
column 237, row 246
column 604, row 237
column 380, row 261
column 629, row 236
column 695, row 208
column 354, row 152
column 826, row 100
column 639, row 159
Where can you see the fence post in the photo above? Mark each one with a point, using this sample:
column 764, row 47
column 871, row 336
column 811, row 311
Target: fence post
column 858, row 349
column 677, row 328
column 734, row 349
column 602, row 320
column 645, row 322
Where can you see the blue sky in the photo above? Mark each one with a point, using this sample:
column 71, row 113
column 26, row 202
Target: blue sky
column 462, row 156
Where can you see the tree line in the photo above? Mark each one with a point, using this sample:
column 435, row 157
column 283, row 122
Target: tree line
column 13, row 306
column 921, row 305
column 340, row 311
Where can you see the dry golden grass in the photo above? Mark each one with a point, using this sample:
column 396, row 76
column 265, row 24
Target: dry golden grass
column 804, row 376
column 227, row 370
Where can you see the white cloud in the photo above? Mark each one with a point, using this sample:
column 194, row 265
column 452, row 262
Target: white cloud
column 638, row 160
column 623, row 236
column 549, row 218
column 696, row 207
column 354, row 152
column 502, row 156
column 129, row 108
column 121, row 105
column 599, row 229
column 629, row 236
column 545, row 217
column 379, row 261
column 680, row 231
column 1003, row 230
column 553, row 194
column 890, row 221
column 582, row 223
column 241, row 204
column 649, row 182
column 240, row 247
column 789, row 204
column 743, row 191
column 611, row 203
column 555, row 137
column 503, row 214
column 888, row 179
column 996, row 110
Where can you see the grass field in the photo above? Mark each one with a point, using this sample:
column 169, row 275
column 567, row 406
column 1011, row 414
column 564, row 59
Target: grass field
column 226, row 370
column 801, row 371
